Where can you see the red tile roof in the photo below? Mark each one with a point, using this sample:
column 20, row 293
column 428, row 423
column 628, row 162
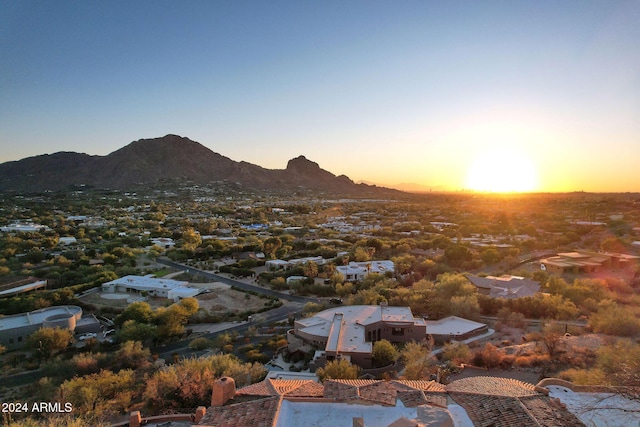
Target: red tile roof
column 256, row 413
column 492, row 386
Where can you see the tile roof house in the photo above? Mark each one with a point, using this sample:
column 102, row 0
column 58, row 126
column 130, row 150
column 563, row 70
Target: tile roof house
column 283, row 403
column 497, row 402
column 481, row 401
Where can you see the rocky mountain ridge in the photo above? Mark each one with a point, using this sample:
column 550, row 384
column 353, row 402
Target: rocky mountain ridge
column 147, row 161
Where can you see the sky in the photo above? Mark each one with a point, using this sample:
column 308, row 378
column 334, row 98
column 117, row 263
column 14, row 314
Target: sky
column 484, row 95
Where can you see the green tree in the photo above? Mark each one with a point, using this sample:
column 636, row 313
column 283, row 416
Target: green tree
column 190, row 305
column 456, row 352
column 311, row 269
column 271, row 246
column 450, row 284
column 200, row 343
column 61, row 420
column 338, row 369
column 621, row 363
column 615, row 319
column 188, row 383
column 171, row 321
column 50, row 341
column 384, row 353
column 100, row 394
column 132, row 355
column 190, row 239
column 490, row 256
column 465, row 306
column 417, row 362
column 361, row 254
column 139, row 311
column 345, row 289
column 134, row 331
column 551, row 337
column 457, row 255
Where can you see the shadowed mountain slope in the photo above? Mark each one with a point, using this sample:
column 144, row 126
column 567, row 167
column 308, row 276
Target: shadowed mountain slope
column 147, row 161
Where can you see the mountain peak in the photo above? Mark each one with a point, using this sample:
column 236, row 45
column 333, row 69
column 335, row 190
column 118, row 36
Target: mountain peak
column 148, row 161
column 301, row 163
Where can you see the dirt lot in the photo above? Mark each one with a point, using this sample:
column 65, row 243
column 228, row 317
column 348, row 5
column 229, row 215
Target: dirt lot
column 220, row 299
column 223, row 300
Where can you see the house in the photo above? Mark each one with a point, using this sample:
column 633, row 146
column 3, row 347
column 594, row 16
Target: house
column 249, row 255
column 481, row 401
column 66, row 241
column 24, row 227
column 454, row 328
column 289, row 403
column 295, row 280
column 15, row 329
column 587, row 262
column 163, row 242
column 21, row 286
column 348, row 332
column 165, row 288
column 357, row 271
column 276, row 264
column 505, row 286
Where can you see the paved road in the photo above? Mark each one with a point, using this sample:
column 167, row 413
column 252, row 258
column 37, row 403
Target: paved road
column 262, row 319
column 237, row 283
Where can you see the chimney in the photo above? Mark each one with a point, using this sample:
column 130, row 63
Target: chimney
column 135, row 419
column 223, row 390
column 200, row 413
column 358, row 422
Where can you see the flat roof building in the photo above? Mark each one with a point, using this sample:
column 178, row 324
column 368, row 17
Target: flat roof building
column 586, row 262
column 165, row 288
column 15, row 329
column 357, row 271
column 454, row 328
column 350, row 331
column 22, row 286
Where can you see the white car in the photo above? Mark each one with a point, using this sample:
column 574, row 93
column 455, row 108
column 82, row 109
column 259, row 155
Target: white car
column 87, row 336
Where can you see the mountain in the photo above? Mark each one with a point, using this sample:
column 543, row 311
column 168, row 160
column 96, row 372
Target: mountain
column 148, row 161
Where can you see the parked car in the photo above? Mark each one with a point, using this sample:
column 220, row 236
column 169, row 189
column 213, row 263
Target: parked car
column 87, row 336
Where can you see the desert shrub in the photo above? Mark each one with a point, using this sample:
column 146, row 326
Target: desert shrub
column 256, row 356
column 87, row 363
column 584, row 376
column 511, row 318
column 456, row 353
column 615, row 319
column 507, row 361
column 200, row 343
column 489, row 356
column 531, row 360
column 533, row 336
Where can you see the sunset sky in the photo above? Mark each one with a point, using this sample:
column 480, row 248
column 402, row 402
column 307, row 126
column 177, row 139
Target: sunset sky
column 543, row 95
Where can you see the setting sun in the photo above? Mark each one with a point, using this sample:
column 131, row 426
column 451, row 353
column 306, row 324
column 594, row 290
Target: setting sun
column 502, row 170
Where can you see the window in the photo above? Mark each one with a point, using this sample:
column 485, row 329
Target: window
column 397, row 331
